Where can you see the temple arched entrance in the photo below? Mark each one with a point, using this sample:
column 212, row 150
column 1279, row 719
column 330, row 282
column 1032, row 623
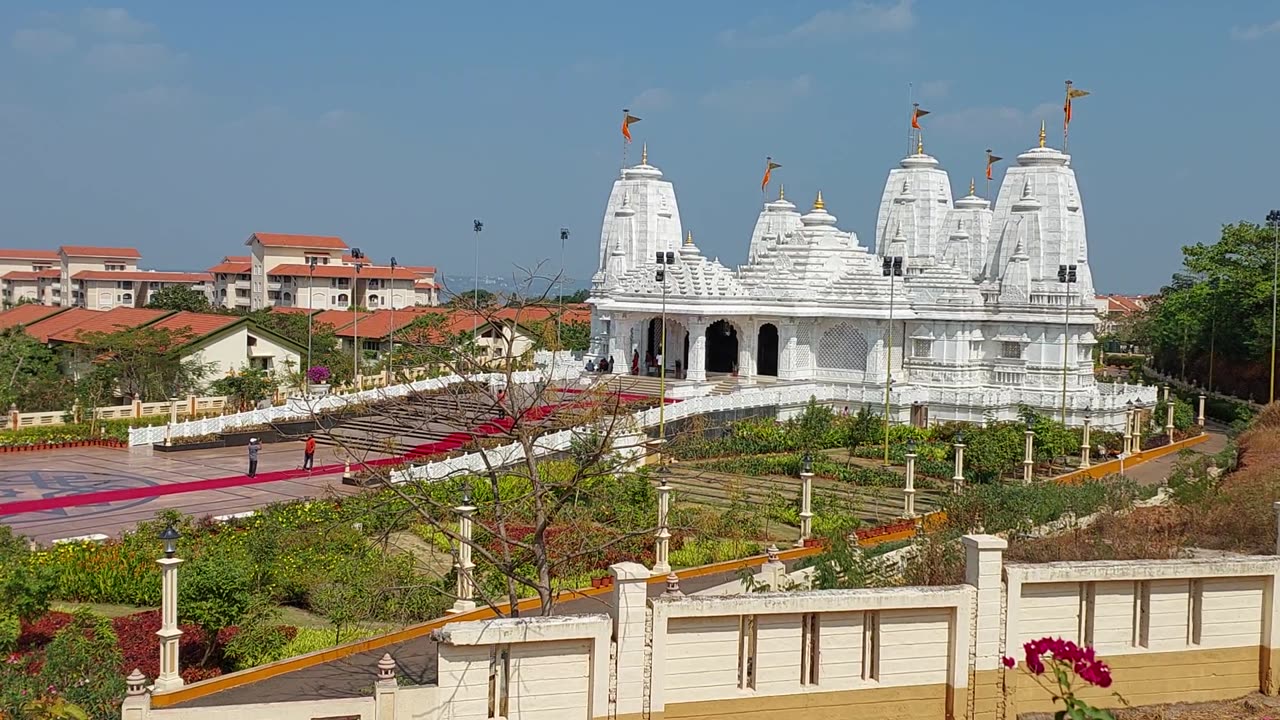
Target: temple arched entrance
column 767, row 350
column 677, row 348
column 722, row 347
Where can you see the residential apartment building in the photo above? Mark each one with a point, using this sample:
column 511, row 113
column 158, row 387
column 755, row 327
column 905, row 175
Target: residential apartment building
column 232, row 282
column 74, row 259
column 106, row 289
column 320, row 272
column 30, row 276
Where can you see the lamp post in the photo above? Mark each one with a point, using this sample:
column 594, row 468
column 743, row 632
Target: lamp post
column 169, row 633
column 891, row 267
column 1137, row 428
column 1168, row 414
column 909, row 492
column 464, row 585
column 1128, row 433
column 1028, row 455
column 662, row 542
column 391, row 359
column 1273, row 220
column 564, row 235
column 663, row 259
column 311, row 283
column 477, row 227
column 356, row 256
column 1066, row 275
column 1200, row 417
column 806, row 499
column 957, row 480
column 1084, row 439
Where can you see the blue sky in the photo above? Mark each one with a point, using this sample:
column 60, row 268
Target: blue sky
column 180, row 128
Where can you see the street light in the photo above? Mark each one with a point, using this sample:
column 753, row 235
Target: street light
column 391, row 359
column 564, row 235
column 477, row 227
column 311, row 283
column 356, row 257
column 1273, row 220
column 169, row 678
column 170, row 536
column 663, row 259
column 891, row 266
column 1066, row 275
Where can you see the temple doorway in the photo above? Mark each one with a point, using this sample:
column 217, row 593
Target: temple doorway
column 767, row 350
column 722, row 347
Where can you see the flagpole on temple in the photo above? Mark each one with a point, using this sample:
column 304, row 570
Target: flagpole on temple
column 911, row 96
column 1066, row 118
column 627, row 120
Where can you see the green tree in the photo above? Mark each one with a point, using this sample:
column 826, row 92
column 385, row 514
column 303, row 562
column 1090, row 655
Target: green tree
column 325, row 348
column 29, row 374
column 216, row 592
column 246, row 388
column 179, row 297
column 472, row 298
column 143, row 362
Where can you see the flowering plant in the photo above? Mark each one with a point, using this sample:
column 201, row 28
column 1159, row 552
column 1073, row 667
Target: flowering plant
column 319, row 374
column 1067, row 661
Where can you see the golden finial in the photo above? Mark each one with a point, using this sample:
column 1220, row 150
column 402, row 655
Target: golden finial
column 972, row 187
column 644, row 154
column 919, row 143
column 818, row 204
column 782, row 191
column 1041, row 133
column 688, row 239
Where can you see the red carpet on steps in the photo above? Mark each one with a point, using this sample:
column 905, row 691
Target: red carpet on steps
column 449, row 443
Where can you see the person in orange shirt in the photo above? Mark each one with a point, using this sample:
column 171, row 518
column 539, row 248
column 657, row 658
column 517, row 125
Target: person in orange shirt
column 309, row 453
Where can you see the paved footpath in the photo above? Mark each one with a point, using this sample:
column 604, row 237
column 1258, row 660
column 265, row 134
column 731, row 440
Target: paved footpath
column 1154, row 472
column 57, row 474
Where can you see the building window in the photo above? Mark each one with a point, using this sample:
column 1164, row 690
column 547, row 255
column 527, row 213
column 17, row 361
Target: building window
column 375, row 284
column 921, row 348
column 1011, row 350
column 975, row 348
column 842, row 347
column 372, row 301
column 371, row 345
column 340, row 283
column 242, row 293
column 114, row 267
column 127, row 298
column 342, row 299
column 124, row 285
column 273, row 294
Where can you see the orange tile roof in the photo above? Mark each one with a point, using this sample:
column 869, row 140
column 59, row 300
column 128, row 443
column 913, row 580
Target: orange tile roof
column 319, row 242
column 338, row 318
column 26, row 314
column 20, row 275
column 429, row 284
column 237, row 259
column 1124, row 303
column 42, row 329
column 103, row 252
column 142, row 276
column 377, row 324
column 29, row 255
column 367, row 272
column 421, row 269
column 573, row 312
column 199, row 324
column 232, row 267
column 113, row 320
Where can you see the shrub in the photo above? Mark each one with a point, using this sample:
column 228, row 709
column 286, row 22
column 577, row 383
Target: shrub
column 83, row 664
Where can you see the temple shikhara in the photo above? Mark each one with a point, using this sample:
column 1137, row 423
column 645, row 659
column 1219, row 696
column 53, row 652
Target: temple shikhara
column 966, row 311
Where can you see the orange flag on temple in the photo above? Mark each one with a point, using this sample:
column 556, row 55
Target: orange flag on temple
column 1066, row 106
column 916, row 114
column 769, row 167
column 991, row 160
column 627, row 119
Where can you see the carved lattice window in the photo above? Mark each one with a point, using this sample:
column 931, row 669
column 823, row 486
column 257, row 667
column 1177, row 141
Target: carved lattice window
column 843, row 347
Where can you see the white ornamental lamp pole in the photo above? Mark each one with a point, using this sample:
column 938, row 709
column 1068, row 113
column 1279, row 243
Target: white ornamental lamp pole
column 465, row 588
column 957, row 481
column 662, row 542
column 1168, row 414
column 1084, row 438
column 169, row 678
column 1128, row 431
column 806, row 499
column 909, row 492
column 1200, row 418
column 1028, row 461
column 1137, row 428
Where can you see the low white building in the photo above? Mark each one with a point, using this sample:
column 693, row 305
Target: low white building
column 957, row 307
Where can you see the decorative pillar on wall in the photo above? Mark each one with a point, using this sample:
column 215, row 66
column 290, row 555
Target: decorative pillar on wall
column 662, row 542
column 1028, row 455
column 137, row 703
column 1084, row 440
column 957, row 480
column 169, row 678
column 465, row 584
column 385, row 688
column 909, row 492
column 806, row 499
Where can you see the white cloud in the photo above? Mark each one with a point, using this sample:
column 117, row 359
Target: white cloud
column 758, row 95
column 859, row 16
column 132, row 57
column 993, row 120
column 112, row 21
column 42, row 42
column 1255, row 31
column 652, row 99
column 337, row 118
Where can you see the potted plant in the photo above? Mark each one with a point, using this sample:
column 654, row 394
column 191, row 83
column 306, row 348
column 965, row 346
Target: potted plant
column 318, row 380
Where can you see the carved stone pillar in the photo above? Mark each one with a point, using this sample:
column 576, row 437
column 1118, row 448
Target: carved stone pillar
column 697, row 350
column 787, row 357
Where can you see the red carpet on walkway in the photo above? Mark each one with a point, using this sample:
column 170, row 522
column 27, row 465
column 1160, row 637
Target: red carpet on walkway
column 447, row 444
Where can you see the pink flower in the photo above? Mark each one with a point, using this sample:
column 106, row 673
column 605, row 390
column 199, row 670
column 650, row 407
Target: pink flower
column 1008, row 661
